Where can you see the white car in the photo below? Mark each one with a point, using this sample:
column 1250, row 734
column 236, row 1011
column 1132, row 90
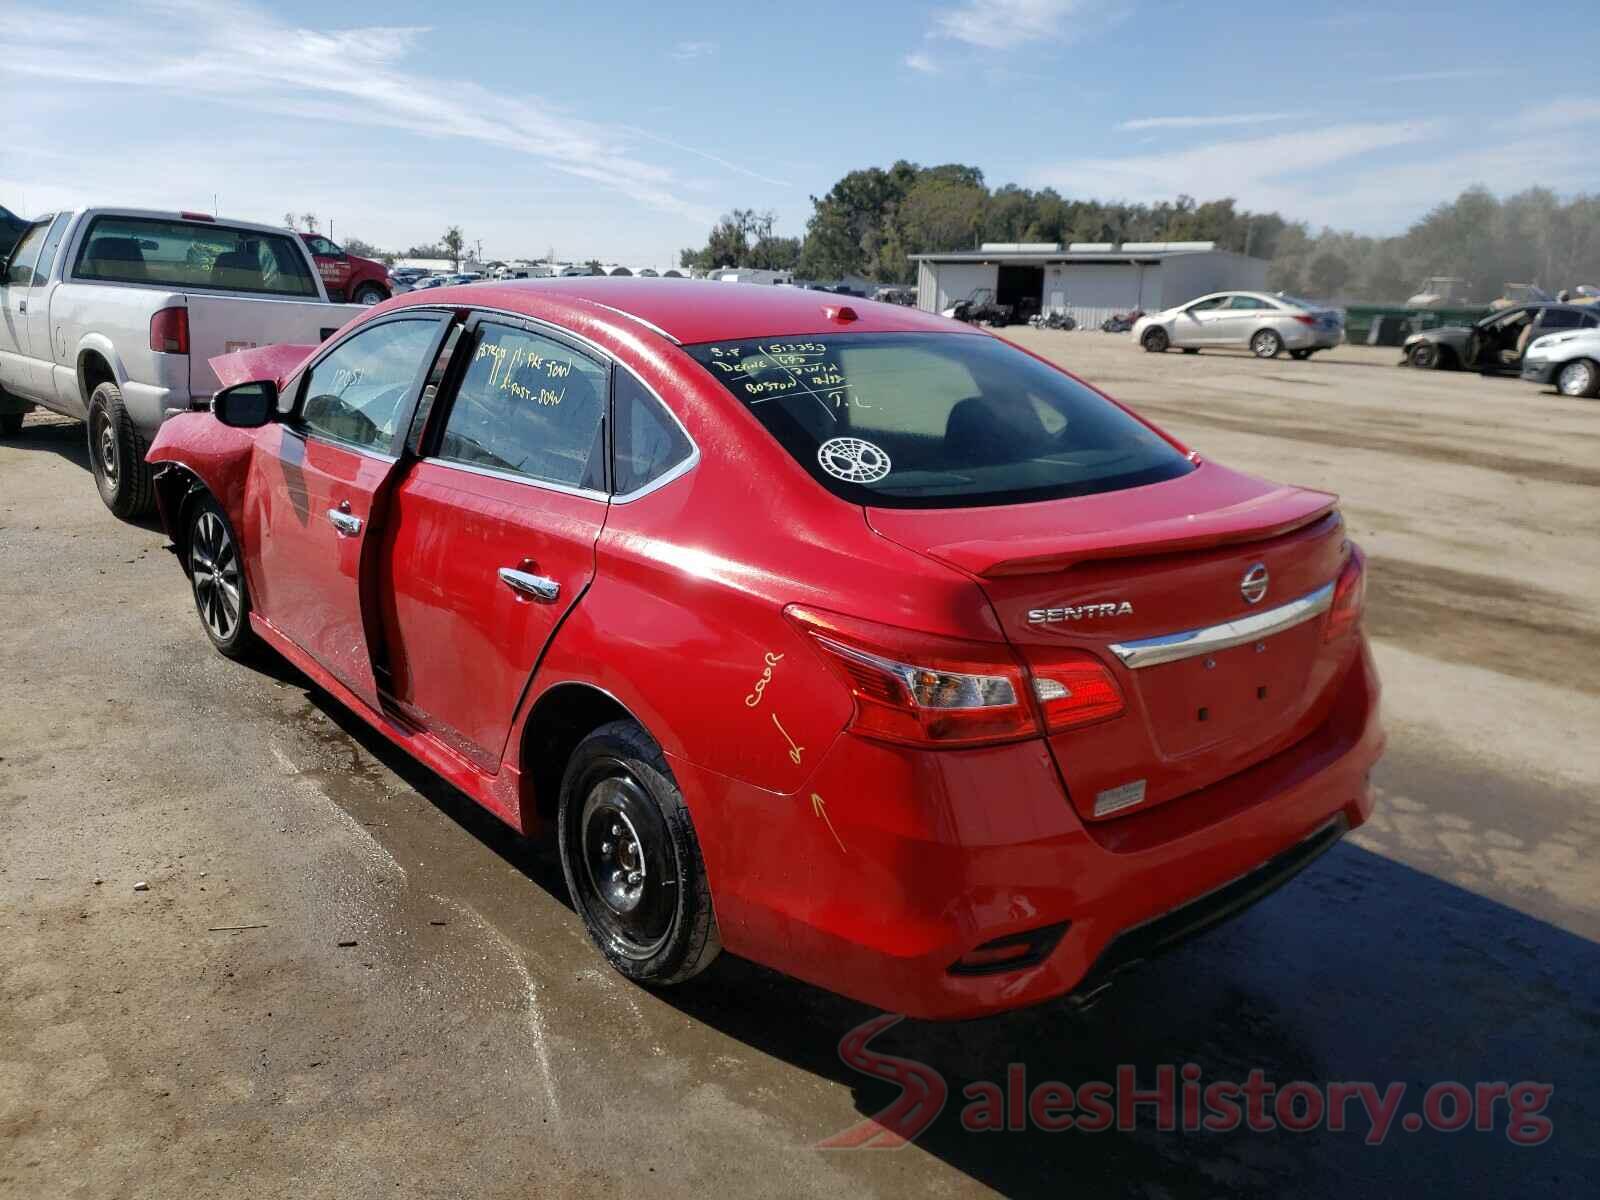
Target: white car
column 112, row 315
column 1265, row 324
column 1570, row 361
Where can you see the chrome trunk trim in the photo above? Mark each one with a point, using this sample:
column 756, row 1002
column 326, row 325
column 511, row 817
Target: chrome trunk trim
column 1173, row 647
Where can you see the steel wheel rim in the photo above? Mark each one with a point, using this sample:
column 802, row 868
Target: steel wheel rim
column 214, row 570
column 104, row 448
column 1575, row 379
column 629, row 865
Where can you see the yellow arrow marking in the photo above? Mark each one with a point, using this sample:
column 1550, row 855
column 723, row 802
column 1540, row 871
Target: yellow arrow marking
column 821, row 810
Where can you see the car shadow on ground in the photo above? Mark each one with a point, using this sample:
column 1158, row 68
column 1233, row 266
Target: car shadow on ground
column 49, row 433
column 1360, row 970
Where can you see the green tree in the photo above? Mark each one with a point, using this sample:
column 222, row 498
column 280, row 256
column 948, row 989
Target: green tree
column 1328, row 275
column 453, row 243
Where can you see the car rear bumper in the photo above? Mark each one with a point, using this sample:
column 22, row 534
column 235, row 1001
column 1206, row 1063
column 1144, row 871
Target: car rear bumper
column 890, row 866
column 1306, row 337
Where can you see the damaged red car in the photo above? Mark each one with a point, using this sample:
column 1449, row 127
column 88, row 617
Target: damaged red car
column 837, row 635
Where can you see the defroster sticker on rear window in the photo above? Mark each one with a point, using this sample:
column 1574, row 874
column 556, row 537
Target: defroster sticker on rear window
column 853, row 460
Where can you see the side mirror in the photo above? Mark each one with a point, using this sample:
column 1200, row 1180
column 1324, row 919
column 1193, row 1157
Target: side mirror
column 246, row 405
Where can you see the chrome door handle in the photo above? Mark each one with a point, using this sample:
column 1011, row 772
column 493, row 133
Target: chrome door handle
column 347, row 525
column 537, row 586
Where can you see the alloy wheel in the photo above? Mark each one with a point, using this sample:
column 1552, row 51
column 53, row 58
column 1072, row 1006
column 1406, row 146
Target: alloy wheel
column 214, row 568
column 1576, row 379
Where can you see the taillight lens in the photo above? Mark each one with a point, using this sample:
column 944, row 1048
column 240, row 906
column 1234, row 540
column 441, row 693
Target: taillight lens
column 922, row 689
column 1305, row 319
column 1349, row 596
column 169, row 331
column 1076, row 690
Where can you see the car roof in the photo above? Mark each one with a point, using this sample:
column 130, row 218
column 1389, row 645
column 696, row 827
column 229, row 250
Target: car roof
column 694, row 310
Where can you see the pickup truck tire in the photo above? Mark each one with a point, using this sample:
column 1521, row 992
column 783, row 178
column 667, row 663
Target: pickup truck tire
column 116, row 455
column 369, row 294
column 216, row 573
column 631, row 858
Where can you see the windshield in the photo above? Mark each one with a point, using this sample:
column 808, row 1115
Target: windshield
column 937, row 420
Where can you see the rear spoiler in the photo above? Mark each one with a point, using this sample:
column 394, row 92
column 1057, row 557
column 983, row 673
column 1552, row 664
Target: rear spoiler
column 260, row 364
column 1269, row 515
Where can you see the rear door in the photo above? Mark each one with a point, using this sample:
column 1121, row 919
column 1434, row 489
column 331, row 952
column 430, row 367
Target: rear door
column 321, row 479
column 492, row 533
column 41, row 348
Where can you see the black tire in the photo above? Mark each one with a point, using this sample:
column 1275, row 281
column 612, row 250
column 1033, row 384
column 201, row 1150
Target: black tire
column 1155, row 341
column 211, row 556
column 116, row 455
column 1425, row 356
column 1266, row 343
column 11, row 424
column 1579, row 379
column 632, row 861
column 1300, row 355
column 369, row 293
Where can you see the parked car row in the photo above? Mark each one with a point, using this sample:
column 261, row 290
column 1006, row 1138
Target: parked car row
column 996, row 690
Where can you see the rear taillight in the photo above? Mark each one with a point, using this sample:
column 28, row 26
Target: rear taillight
column 926, row 689
column 1349, row 596
column 1075, row 690
column 922, row 689
column 1305, row 318
column 169, row 331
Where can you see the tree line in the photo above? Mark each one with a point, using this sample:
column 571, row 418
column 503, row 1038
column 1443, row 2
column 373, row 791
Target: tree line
column 871, row 221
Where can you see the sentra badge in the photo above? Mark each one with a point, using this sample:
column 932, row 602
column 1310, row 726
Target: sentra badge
column 1078, row 612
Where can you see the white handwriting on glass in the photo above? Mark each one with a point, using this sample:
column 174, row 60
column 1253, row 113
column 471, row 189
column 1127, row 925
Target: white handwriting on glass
column 754, row 698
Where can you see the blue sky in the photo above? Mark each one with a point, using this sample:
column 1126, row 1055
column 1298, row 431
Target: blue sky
column 622, row 130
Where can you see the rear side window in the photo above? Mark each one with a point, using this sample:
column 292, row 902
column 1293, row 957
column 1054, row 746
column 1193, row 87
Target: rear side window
column 529, row 406
column 193, row 256
column 648, row 442
column 937, row 420
column 1560, row 318
column 19, row 269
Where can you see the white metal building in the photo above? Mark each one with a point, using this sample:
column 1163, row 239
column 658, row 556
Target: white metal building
column 1089, row 280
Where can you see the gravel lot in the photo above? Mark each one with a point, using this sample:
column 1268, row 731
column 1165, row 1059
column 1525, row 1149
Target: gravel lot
column 470, row 1043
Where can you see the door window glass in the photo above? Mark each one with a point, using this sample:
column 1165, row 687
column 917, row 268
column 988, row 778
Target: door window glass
column 648, row 442
column 1560, row 318
column 52, row 243
column 1207, row 305
column 1248, row 302
column 19, row 270
column 528, row 406
column 355, row 394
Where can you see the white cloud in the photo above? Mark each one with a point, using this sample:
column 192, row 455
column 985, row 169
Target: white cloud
column 1008, row 24
column 919, row 61
column 688, row 50
column 235, row 53
column 1208, row 122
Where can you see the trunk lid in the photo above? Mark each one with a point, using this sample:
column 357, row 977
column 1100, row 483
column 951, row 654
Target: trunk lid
column 1102, row 571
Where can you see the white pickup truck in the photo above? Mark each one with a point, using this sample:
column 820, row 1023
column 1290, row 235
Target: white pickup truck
column 109, row 315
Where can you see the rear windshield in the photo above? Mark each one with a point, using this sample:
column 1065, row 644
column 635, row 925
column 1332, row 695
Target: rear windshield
column 937, row 420
column 193, row 256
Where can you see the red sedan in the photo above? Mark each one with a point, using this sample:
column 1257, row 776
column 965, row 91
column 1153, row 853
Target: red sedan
column 856, row 641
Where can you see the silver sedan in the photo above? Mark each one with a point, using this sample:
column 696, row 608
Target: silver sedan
column 1264, row 324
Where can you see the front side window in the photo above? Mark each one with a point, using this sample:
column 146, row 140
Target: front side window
column 193, row 256
column 19, row 267
column 648, row 441
column 529, row 406
column 355, row 394
column 937, row 420
column 1208, row 305
column 322, row 246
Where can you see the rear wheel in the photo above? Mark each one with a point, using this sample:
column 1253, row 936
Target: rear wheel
column 116, row 455
column 216, row 574
column 1266, row 344
column 1424, row 356
column 1579, row 378
column 631, row 858
column 1155, row 341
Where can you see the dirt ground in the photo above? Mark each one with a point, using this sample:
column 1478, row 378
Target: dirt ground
column 468, row 1042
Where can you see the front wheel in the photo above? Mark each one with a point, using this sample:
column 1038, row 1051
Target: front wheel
column 116, row 455
column 1424, row 356
column 216, row 573
column 631, row 858
column 1580, row 379
column 1155, row 341
column 1266, row 344
column 369, row 294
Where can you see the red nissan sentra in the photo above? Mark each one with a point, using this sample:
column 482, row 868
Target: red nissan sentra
column 858, row 642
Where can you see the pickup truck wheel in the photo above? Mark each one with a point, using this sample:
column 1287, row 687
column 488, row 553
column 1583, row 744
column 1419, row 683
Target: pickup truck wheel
column 631, row 858
column 216, row 574
column 369, row 294
column 116, row 455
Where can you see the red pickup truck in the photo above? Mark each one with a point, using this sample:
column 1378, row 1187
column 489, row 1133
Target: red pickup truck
column 349, row 279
